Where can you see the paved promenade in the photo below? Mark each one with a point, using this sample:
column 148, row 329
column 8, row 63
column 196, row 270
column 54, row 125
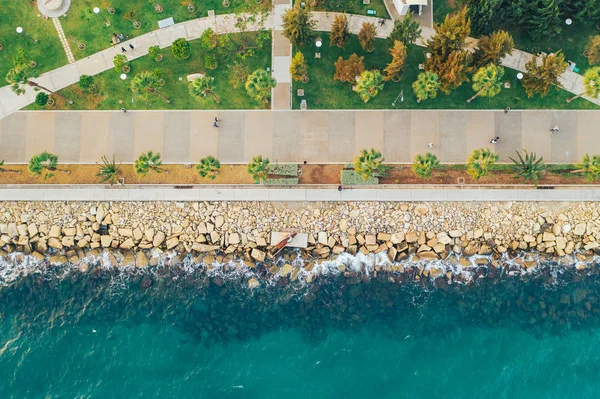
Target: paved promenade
column 295, row 194
column 193, row 29
column 293, row 136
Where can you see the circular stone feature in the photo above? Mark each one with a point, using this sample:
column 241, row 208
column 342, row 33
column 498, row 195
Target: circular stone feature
column 53, row 8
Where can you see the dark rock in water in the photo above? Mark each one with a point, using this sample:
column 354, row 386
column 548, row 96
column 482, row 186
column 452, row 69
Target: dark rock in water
column 146, row 283
column 218, row 281
column 355, row 291
column 282, row 282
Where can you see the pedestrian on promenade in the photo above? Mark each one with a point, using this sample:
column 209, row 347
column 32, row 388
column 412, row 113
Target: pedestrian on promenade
column 123, row 110
column 430, row 145
column 217, row 119
column 495, row 140
column 123, row 50
column 506, row 110
column 131, row 46
column 554, row 129
column 215, row 124
column 340, row 188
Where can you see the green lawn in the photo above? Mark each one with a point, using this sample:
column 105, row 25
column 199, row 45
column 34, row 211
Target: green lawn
column 82, row 25
column 322, row 92
column 113, row 93
column 47, row 52
column 352, row 7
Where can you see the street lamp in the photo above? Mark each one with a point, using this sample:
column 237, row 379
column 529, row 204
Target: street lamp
column 319, row 43
column 568, row 21
column 97, row 11
column 123, row 76
column 401, row 96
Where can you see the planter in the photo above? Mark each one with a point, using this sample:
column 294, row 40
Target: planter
column 33, row 64
column 158, row 8
column 226, row 3
column 81, row 46
column 110, row 10
column 137, row 24
column 51, row 102
column 191, row 8
column 305, row 79
column 159, row 58
column 126, row 69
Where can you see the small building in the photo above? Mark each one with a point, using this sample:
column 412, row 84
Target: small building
column 403, row 6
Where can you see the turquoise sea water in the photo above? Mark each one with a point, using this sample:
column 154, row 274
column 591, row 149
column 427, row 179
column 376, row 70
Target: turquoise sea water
column 101, row 336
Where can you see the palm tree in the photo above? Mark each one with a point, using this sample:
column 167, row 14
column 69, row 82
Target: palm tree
column 148, row 161
column 591, row 84
column 2, row 169
column 590, row 167
column 369, row 164
column 145, row 83
column 529, row 168
column 368, row 84
column 423, row 165
column 259, row 85
column 487, row 81
column 44, row 163
column 480, row 162
column 202, row 86
column 209, row 167
column 109, row 171
column 426, row 86
column 258, row 168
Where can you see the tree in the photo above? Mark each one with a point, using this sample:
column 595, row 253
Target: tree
column 450, row 35
column 423, row 166
column 590, row 167
column 258, row 168
column 86, row 83
column 119, row 62
column 145, row 83
column 480, row 162
column 339, row 31
column 41, row 99
column 238, row 73
column 394, row 69
column 539, row 78
column 154, row 53
column 297, row 24
column 369, row 164
column 259, row 85
column 529, row 168
column 348, row 70
column 19, row 77
column 484, row 14
column 298, row 68
column 148, row 161
column 452, row 70
column 209, row 39
column 203, row 86
column 592, row 50
column 591, row 84
column 210, row 61
column 406, row 31
column 244, row 38
column 547, row 20
column 43, row 164
column 366, row 36
column 426, row 86
column 209, row 167
column 491, row 49
column 487, row 81
column 181, row 49
column 368, row 84
column 109, row 171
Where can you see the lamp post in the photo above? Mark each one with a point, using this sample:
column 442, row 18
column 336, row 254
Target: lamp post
column 97, row 11
column 318, row 43
column 568, row 21
column 401, row 95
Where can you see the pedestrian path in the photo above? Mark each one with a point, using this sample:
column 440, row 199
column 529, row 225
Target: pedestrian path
column 63, row 40
column 335, row 136
column 299, row 194
column 282, row 59
column 193, row 29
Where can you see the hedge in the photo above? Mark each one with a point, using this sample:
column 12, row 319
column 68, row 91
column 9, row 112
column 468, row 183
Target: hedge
column 350, row 178
column 281, row 182
column 284, row 169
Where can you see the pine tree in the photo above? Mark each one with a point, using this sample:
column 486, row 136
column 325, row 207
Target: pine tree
column 368, row 84
column 452, row 70
column 450, row 35
column 366, row 36
column 348, row 70
column 298, row 68
column 339, row 31
column 546, row 20
column 426, row 86
column 407, row 31
column 539, row 78
column 487, row 81
column 297, row 24
column 394, row 69
column 484, row 14
column 491, row 49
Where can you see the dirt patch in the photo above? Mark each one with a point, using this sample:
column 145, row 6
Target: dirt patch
column 320, row 174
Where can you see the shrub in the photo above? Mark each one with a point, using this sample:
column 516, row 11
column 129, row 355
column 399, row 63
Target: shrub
column 529, row 168
column 43, row 164
column 423, row 166
column 181, row 49
column 109, row 171
column 119, row 61
column 285, row 169
column 148, row 161
column 281, row 182
column 351, row 178
column 590, row 167
column 480, row 162
column 369, row 84
column 369, row 163
column 209, row 167
column 41, row 99
column 86, row 83
column 209, row 39
column 210, row 62
column 258, row 168
column 298, row 67
column 366, row 36
column 259, row 85
column 154, row 52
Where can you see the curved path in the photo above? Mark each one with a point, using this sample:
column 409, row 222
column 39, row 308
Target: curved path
column 193, row 29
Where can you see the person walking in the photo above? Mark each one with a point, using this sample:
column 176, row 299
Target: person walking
column 123, row 110
column 495, row 140
column 217, row 119
column 123, row 50
column 215, row 124
column 506, row 110
column 131, row 46
column 554, row 129
column 430, row 145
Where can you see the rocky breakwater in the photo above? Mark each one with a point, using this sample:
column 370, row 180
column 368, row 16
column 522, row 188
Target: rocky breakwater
column 464, row 235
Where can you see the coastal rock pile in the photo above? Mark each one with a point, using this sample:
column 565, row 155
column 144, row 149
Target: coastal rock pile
column 140, row 232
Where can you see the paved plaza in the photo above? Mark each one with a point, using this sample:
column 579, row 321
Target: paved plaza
column 296, row 136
